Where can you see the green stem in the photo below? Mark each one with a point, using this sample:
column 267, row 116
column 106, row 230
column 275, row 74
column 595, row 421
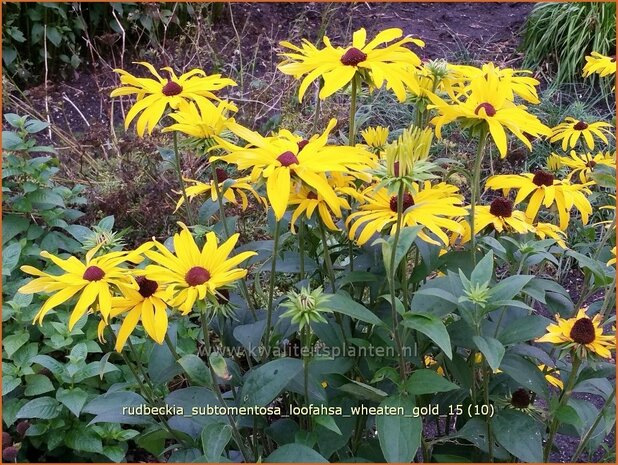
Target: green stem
column 243, row 284
column 271, row 289
column 327, row 261
column 391, row 281
column 181, row 181
column 352, row 123
column 170, row 346
column 476, row 187
column 301, row 245
column 564, row 397
column 586, row 437
column 306, row 359
column 318, row 105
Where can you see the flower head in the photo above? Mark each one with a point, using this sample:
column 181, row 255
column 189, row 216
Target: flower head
column 599, row 64
column 94, row 281
column 191, row 274
column 571, row 129
column 552, row 376
column 583, row 164
column 154, row 96
column 279, row 160
column 392, row 64
column 202, row 119
column 433, row 207
column 582, row 334
column 306, row 306
column 375, row 137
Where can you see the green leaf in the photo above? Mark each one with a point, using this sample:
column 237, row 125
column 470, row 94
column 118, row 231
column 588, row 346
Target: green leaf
column 9, row 384
column 74, row 399
column 342, row 303
column 108, row 408
column 491, row 348
column 13, row 342
column 295, row 453
column 432, row 327
column 51, row 364
column 484, row 270
column 10, row 258
column 219, row 365
column 45, row 408
column 524, row 329
column 54, row 36
column 525, row 373
column 114, row 453
column 509, row 287
column 363, row 391
column 428, row 382
column 83, row 440
column 214, row 439
column 327, row 422
column 404, row 242
column 12, row 225
column 196, row 369
column 399, row 435
column 266, row 382
column 37, row 385
column 519, row 434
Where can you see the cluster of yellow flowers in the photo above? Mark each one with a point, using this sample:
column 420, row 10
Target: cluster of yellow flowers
column 312, row 175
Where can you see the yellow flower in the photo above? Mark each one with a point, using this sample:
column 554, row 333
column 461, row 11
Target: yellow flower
column 570, row 130
column 279, row 161
column 552, row 376
column 375, row 137
column 583, row 164
column 487, row 104
column 612, row 261
column 202, row 119
column 403, row 154
column 155, row 95
column 430, row 361
column 146, row 304
column 191, row 274
column 600, row 64
column 392, row 64
column 433, row 207
column 309, row 200
column 229, row 188
column 542, row 188
column 500, row 215
column 552, row 231
column 582, row 334
column 554, row 162
column 94, row 281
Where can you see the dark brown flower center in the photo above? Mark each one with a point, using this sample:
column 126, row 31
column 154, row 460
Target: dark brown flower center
column 488, row 107
column 583, row 331
column 353, row 57
column 501, row 207
column 591, row 164
column 147, row 287
column 312, row 195
column 408, row 201
column 521, row 398
column 93, row 273
column 196, row 276
column 580, row 126
column 543, row 178
column 221, row 175
column 302, row 144
column 223, row 296
column 287, row 158
column 171, row 88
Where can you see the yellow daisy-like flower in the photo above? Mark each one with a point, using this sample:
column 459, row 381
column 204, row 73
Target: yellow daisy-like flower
column 552, row 376
column 430, row 362
column 191, row 274
column 500, row 215
column 155, row 95
column 308, row 200
column 392, row 64
column 375, row 137
column 433, row 207
column 544, row 230
column 554, row 162
column 582, row 334
column 583, row 164
column 203, row 119
column 279, row 161
column 542, row 188
column 231, row 190
column 599, row 64
column 571, row 129
column 94, row 281
column 487, row 103
column 147, row 303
